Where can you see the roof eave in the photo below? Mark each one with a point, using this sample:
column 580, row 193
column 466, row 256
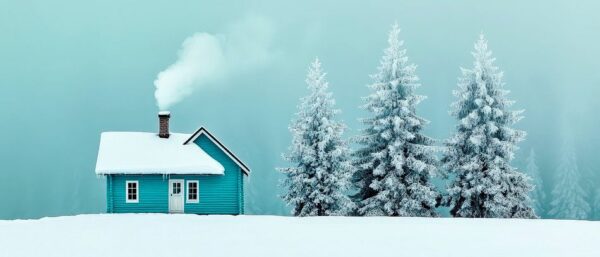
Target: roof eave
column 102, row 173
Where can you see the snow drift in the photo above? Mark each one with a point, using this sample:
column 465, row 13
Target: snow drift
column 192, row 235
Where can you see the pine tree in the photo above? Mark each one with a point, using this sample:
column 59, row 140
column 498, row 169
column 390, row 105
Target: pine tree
column 395, row 161
column 568, row 196
column 483, row 182
column 317, row 183
column 538, row 197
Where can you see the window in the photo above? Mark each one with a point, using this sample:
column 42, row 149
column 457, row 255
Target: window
column 131, row 191
column 176, row 188
column 192, row 191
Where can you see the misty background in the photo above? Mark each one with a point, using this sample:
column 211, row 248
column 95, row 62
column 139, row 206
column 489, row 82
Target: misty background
column 70, row 70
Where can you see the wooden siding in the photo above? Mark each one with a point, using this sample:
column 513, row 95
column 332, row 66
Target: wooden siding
column 218, row 194
column 152, row 195
column 109, row 194
column 241, row 193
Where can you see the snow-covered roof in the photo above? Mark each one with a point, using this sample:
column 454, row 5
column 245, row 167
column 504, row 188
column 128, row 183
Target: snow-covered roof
column 146, row 153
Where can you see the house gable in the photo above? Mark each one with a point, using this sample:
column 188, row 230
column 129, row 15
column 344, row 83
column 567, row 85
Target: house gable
column 203, row 132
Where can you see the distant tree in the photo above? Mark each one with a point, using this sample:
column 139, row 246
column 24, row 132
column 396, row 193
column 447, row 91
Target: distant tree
column 259, row 194
column 569, row 199
column 538, row 196
column 316, row 185
column 483, row 182
column 588, row 179
column 255, row 203
column 395, row 161
column 597, row 205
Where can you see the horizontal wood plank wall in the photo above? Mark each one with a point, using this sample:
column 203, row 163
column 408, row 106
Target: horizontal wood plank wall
column 218, row 194
column 241, row 193
column 152, row 197
column 109, row 195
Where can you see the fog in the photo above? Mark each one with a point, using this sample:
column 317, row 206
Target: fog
column 70, row 70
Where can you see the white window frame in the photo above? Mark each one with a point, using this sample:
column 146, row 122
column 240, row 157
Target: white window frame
column 137, row 191
column 187, row 191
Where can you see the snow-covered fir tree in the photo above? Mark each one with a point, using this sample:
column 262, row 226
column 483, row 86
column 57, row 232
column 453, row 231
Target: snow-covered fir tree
column 569, row 199
column 538, row 196
column 395, row 161
column 317, row 182
column 477, row 157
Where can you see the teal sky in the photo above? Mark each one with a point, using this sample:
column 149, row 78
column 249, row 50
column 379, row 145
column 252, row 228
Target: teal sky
column 72, row 69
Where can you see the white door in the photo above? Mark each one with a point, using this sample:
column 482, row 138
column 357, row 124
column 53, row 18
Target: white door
column 176, row 195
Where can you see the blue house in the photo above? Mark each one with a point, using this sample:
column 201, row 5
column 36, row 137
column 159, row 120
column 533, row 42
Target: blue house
column 170, row 172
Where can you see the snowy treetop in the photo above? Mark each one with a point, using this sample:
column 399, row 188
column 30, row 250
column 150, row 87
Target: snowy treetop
column 316, row 182
column 479, row 153
column 395, row 160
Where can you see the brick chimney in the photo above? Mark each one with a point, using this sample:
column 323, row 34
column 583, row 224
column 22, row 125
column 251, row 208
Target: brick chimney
column 163, row 124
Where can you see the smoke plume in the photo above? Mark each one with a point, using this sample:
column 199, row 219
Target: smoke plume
column 205, row 59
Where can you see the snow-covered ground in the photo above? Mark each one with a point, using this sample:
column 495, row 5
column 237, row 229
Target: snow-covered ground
column 147, row 235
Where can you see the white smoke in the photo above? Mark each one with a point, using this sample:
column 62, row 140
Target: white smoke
column 206, row 58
